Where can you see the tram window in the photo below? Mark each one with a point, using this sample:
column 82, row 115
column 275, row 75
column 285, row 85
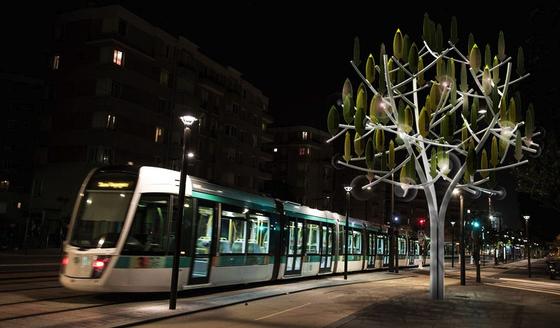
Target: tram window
column 356, row 242
column 402, row 246
column 232, row 234
column 204, row 229
column 380, row 245
column 187, row 227
column 299, row 238
column 312, row 239
column 100, row 219
column 341, row 241
column 149, row 228
column 324, row 240
column 258, row 234
column 330, row 241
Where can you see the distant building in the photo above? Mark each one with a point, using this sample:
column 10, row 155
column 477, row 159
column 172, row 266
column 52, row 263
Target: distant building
column 120, row 85
column 23, row 103
column 301, row 169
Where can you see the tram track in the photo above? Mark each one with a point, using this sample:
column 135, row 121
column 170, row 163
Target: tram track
column 26, row 289
column 58, row 311
column 21, row 306
column 15, row 281
column 50, row 299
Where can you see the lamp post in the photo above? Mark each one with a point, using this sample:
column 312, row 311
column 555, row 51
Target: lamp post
column 348, row 190
column 462, row 233
column 528, row 243
column 452, row 244
column 396, row 221
column 187, row 120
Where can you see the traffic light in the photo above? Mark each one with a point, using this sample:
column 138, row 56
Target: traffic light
column 475, row 224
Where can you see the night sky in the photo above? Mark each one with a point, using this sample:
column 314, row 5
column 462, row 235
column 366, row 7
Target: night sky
column 298, row 54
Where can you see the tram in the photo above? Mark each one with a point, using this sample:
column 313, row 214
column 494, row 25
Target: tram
column 122, row 236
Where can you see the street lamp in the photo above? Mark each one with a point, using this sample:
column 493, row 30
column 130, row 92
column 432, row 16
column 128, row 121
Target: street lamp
column 528, row 243
column 462, row 233
column 452, row 244
column 187, row 120
column 348, row 190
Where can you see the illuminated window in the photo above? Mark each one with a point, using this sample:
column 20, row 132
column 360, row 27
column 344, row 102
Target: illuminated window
column 159, row 134
column 304, row 135
column 303, row 151
column 55, row 62
column 118, row 57
column 4, row 185
column 111, row 122
column 164, row 77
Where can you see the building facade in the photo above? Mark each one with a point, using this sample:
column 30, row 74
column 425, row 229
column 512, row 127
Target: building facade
column 23, row 128
column 119, row 86
column 301, row 168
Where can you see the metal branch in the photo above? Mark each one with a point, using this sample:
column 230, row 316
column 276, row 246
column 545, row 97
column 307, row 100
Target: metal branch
column 375, row 92
column 337, row 135
column 359, row 168
column 469, row 129
column 498, row 168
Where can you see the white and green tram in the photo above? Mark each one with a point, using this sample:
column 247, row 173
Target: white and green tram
column 122, row 236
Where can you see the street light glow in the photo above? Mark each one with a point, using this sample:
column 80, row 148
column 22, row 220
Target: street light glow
column 348, row 188
column 188, row 120
column 190, row 154
column 456, row 191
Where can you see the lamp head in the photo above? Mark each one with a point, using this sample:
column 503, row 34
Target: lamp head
column 348, row 188
column 452, row 223
column 526, row 217
column 456, row 191
column 188, row 119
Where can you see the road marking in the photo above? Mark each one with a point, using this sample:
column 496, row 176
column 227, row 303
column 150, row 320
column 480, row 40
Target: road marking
column 551, row 284
column 337, row 296
column 523, row 288
column 277, row 313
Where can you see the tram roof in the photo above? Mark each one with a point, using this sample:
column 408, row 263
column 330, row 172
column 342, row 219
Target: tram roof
column 206, row 190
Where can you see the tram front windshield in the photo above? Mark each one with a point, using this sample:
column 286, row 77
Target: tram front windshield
column 102, row 212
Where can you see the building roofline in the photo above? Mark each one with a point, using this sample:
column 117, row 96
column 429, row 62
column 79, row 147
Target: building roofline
column 176, row 39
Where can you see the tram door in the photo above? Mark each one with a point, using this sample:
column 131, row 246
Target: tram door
column 294, row 247
column 201, row 260
column 370, row 250
column 326, row 248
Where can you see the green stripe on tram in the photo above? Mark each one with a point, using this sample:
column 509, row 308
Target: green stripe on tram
column 241, row 260
column 150, row 262
column 351, row 257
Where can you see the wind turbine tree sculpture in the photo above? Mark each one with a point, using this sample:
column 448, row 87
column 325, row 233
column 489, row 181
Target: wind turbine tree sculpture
column 417, row 117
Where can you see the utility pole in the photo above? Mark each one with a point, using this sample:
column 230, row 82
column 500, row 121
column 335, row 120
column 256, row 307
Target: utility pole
column 452, row 244
column 528, row 243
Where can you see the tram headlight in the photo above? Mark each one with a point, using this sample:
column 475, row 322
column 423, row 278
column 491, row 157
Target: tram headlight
column 99, row 265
